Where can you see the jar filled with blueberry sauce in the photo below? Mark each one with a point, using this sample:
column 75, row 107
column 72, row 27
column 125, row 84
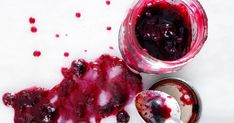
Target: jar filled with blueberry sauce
column 161, row 36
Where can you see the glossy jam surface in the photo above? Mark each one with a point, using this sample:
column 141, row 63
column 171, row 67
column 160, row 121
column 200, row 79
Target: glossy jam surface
column 160, row 111
column 157, row 107
column 164, row 30
column 89, row 92
column 122, row 117
column 186, row 97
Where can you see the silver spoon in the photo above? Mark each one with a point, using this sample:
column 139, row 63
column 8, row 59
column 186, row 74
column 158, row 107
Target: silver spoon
column 157, row 107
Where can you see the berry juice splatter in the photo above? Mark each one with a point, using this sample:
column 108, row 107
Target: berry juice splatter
column 32, row 20
column 33, row 29
column 108, row 2
column 37, row 53
column 57, row 35
column 78, row 14
column 89, row 90
column 108, row 28
column 66, row 54
column 164, row 30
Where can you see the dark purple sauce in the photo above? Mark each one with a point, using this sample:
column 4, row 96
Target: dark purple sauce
column 160, row 112
column 164, row 30
column 89, row 91
column 122, row 117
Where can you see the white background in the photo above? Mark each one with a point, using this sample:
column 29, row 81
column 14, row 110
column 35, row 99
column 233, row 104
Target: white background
column 210, row 73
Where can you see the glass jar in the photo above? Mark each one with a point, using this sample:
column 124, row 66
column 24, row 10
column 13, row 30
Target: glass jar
column 140, row 60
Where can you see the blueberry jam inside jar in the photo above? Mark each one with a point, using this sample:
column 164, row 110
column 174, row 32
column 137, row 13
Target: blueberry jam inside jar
column 164, row 31
column 161, row 36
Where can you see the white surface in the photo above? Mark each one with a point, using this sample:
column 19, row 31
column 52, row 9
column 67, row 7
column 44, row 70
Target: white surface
column 211, row 72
